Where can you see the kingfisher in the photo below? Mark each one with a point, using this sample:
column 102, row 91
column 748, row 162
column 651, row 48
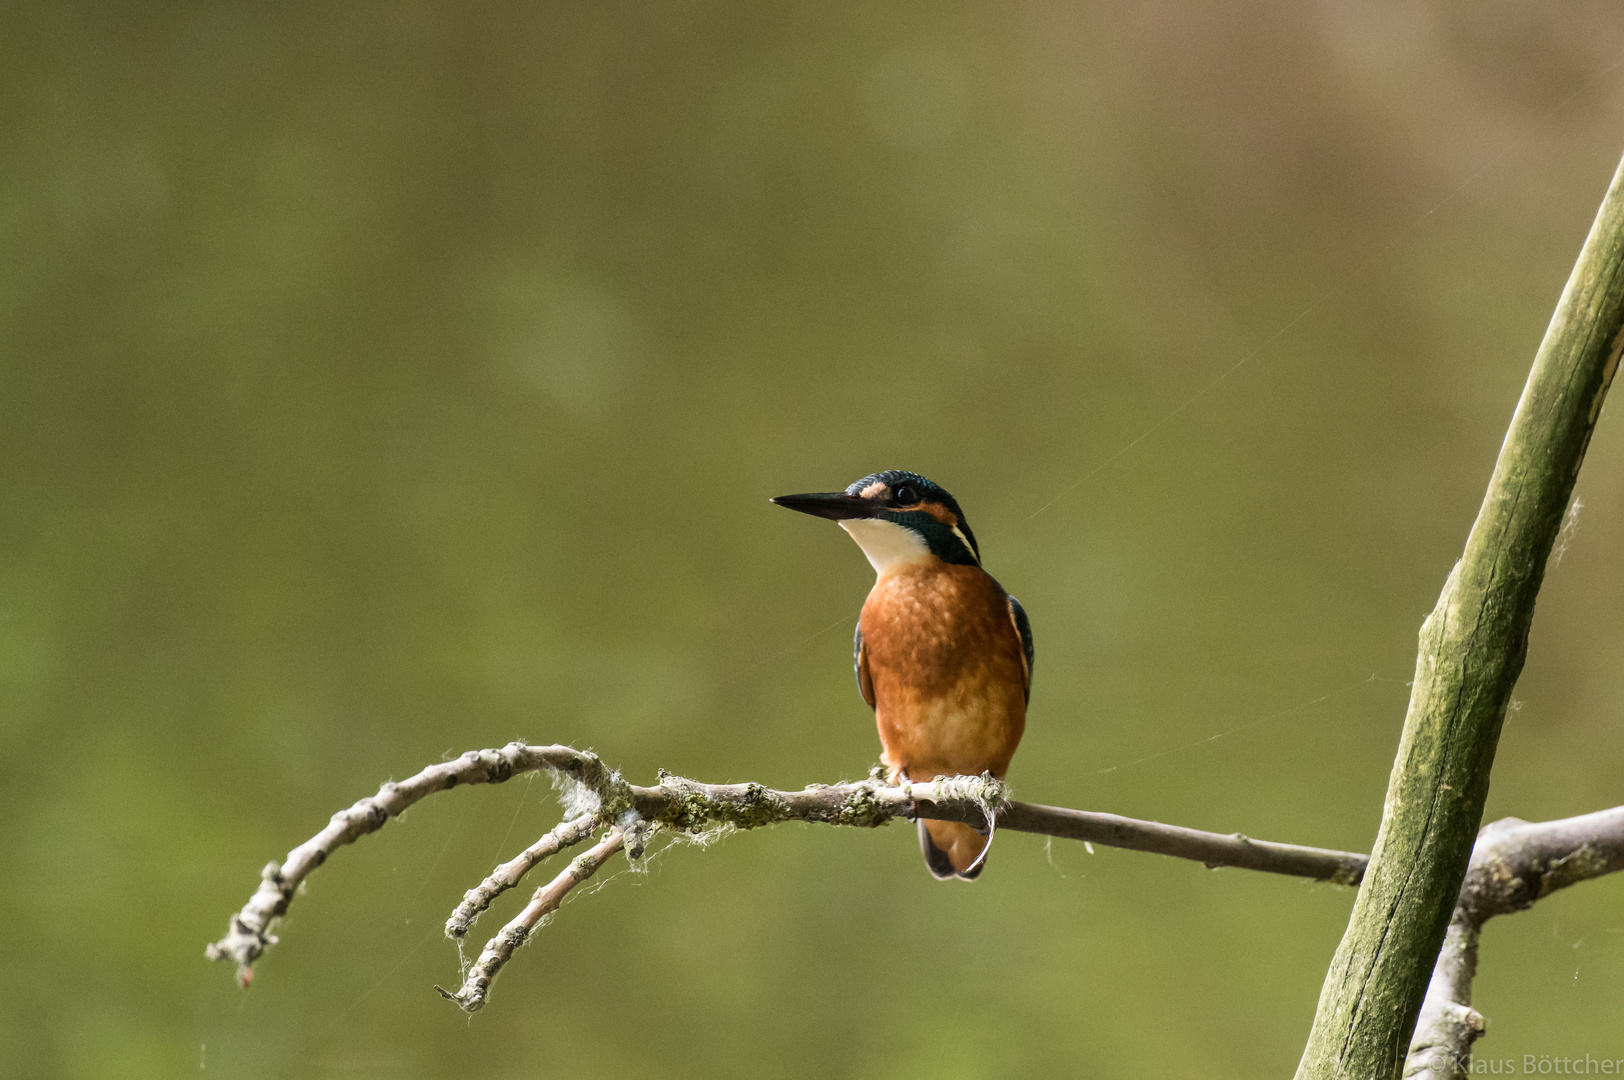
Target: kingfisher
column 943, row 654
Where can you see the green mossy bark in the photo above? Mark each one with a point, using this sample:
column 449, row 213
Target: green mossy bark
column 1471, row 651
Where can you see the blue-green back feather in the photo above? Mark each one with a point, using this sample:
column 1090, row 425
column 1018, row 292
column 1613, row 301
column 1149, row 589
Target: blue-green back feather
column 1024, row 626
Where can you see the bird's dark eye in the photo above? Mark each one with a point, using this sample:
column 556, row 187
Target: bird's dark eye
column 905, row 495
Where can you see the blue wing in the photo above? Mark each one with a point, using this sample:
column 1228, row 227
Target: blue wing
column 1023, row 627
column 859, row 663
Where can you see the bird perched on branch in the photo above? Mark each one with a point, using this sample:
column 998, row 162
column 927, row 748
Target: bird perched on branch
column 943, row 653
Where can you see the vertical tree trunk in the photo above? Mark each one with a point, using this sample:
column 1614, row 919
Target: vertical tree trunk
column 1472, row 649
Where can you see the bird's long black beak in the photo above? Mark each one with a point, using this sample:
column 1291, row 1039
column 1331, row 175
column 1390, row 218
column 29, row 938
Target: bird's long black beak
column 834, row 505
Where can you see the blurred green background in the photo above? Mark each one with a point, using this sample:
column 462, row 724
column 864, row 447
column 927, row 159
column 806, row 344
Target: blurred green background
column 381, row 381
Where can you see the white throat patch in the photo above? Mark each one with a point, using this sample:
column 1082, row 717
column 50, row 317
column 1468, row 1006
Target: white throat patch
column 886, row 543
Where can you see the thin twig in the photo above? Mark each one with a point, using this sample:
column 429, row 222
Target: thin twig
column 510, row 873
column 1514, row 863
column 476, row 983
column 1213, row 849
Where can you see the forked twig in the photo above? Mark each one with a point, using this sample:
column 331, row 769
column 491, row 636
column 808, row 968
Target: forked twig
column 597, row 797
column 249, row 934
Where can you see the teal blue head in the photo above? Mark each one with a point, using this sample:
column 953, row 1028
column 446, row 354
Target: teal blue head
column 896, row 517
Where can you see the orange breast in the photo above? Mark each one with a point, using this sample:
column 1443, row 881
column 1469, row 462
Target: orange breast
column 945, row 662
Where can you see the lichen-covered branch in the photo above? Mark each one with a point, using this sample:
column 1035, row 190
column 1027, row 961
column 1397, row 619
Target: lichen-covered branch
column 597, row 798
column 687, row 806
column 1471, row 651
column 1513, row 864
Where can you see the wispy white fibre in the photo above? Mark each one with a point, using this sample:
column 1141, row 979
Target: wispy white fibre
column 575, row 797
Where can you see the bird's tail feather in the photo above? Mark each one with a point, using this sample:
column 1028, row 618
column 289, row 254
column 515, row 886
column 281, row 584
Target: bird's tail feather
column 953, row 850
